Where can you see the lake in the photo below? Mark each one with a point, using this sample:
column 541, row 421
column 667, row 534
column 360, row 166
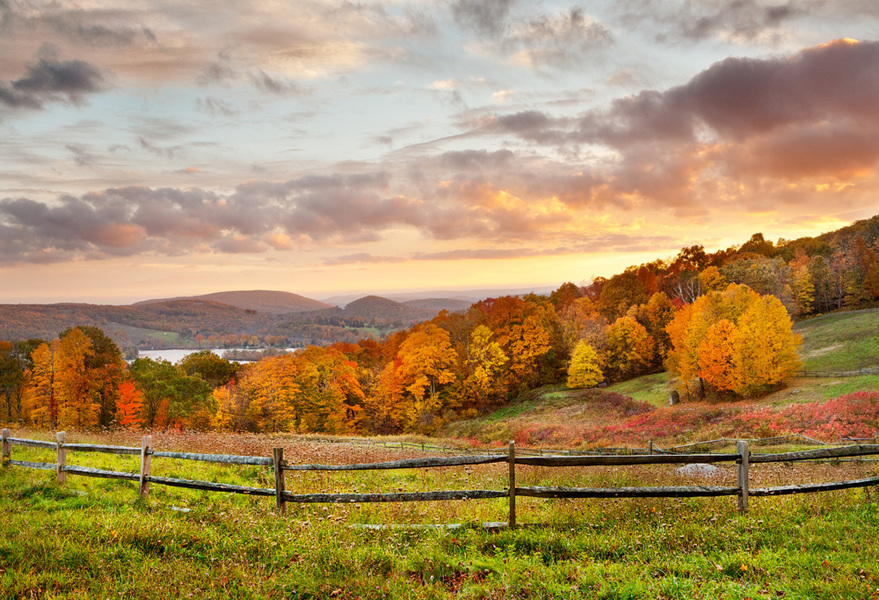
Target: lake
column 177, row 354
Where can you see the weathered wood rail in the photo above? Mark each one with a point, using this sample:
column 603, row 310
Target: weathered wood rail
column 838, row 373
column 743, row 458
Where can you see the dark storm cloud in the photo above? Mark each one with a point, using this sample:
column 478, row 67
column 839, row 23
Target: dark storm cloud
column 50, row 80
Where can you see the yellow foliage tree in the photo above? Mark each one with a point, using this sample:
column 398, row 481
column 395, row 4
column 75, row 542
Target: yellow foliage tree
column 629, row 349
column 585, row 369
column 270, row 389
column 486, row 359
column 426, row 363
column 38, row 396
column 77, row 407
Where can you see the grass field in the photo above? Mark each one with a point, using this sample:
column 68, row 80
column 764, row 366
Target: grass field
column 840, row 341
column 90, row 538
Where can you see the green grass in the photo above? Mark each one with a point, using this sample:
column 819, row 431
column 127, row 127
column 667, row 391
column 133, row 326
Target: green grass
column 652, row 389
column 91, row 538
column 139, row 333
column 840, row 341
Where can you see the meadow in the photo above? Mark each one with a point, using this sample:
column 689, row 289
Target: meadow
column 92, row 538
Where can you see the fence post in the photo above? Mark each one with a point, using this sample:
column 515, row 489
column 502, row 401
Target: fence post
column 146, row 462
column 7, row 447
column 61, row 457
column 742, row 448
column 512, row 460
column 651, row 448
column 278, row 463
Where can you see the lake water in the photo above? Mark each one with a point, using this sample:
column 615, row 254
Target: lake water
column 177, row 354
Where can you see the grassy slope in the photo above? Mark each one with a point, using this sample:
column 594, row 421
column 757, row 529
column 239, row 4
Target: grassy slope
column 554, row 416
column 840, row 341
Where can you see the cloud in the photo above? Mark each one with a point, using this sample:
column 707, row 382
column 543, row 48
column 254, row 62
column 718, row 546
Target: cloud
column 731, row 20
column 51, row 80
column 362, row 258
column 311, row 211
column 169, row 152
column 557, row 41
column 267, row 83
column 808, row 115
column 484, row 17
column 81, row 155
column 162, row 41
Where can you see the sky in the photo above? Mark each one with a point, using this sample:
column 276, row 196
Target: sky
column 156, row 148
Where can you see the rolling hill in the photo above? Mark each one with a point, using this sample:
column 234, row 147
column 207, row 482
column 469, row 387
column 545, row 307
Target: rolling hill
column 175, row 322
column 267, row 301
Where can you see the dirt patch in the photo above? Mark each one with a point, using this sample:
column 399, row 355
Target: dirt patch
column 822, row 351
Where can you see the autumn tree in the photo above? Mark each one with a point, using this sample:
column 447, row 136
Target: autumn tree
column 427, row 361
column 270, row 391
column 486, row 360
column 216, row 371
column 172, row 398
column 736, row 341
column 11, row 376
column 620, row 293
column 655, row 316
column 39, row 403
column 78, row 406
column 388, row 408
column 104, row 368
column 585, row 368
column 15, row 364
column 802, row 284
column 629, row 350
column 329, row 389
column 129, row 404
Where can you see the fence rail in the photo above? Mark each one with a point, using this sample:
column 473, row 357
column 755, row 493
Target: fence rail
column 743, row 458
column 855, row 373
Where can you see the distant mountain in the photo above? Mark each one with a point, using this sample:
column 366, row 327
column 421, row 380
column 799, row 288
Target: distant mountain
column 373, row 309
column 435, row 305
column 468, row 296
column 277, row 303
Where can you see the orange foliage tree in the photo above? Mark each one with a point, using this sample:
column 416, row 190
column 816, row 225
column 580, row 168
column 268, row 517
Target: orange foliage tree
column 129, row 404
column 736, row 341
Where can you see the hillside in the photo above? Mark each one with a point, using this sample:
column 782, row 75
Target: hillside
column 267, row 301
column 631, row 413
column 436, row 305
column 222, row 319
column 373, row 310
column 840, row 341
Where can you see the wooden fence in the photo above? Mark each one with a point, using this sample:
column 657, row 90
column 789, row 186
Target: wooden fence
column 834, row 374
column 742, row 458
column 599, row 451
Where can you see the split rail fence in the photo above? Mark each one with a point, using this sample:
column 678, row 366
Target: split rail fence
column 742, row 458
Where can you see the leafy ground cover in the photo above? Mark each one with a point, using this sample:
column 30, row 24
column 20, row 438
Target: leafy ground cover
column 90, row 538
column 597, row 418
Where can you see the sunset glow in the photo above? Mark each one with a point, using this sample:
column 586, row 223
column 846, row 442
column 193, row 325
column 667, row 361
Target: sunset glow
column 158, row 149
